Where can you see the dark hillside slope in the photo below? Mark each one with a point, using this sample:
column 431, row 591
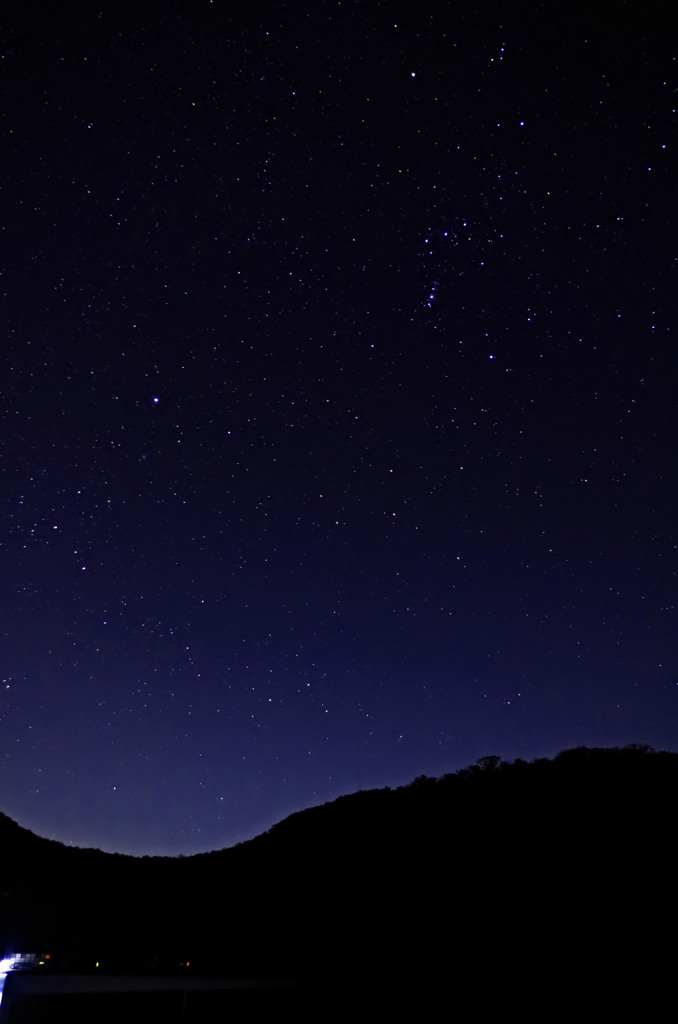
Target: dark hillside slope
column 547, row 861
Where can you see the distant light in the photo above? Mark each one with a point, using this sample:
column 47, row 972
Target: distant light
column 155, row 400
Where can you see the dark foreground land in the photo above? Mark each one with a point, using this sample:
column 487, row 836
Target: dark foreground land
column 167, row 998
column 533, row 885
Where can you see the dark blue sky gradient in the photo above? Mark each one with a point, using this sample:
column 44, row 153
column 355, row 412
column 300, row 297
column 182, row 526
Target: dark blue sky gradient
column 337, row 403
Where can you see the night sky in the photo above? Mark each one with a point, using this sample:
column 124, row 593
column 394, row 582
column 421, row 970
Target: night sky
column 337, row 402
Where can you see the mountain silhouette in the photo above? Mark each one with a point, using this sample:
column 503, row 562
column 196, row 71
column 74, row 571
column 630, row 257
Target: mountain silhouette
column 503, row 870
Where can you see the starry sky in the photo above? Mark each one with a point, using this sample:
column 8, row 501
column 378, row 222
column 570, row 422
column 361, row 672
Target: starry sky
column 337, row 402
